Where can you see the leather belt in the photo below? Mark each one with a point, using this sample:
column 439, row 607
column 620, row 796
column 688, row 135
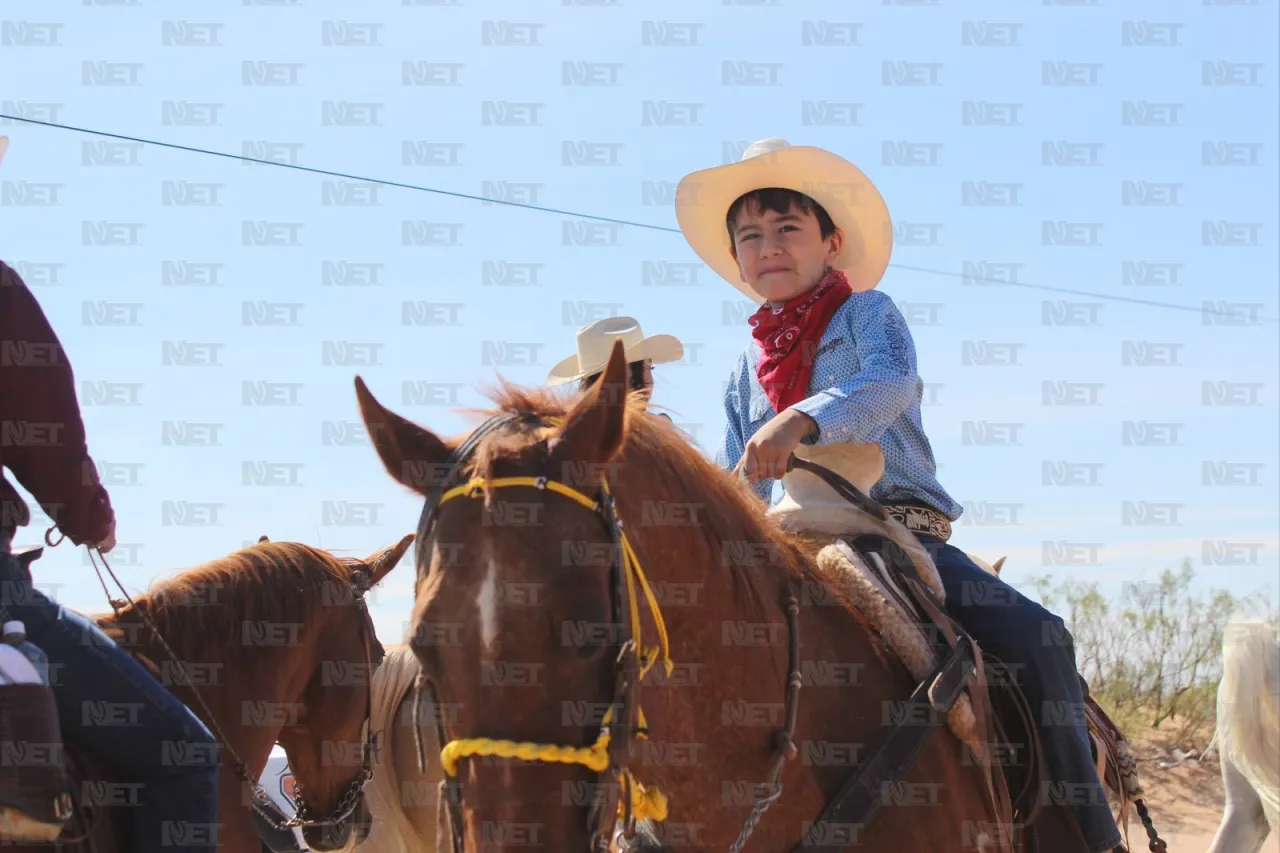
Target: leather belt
column 919, row 518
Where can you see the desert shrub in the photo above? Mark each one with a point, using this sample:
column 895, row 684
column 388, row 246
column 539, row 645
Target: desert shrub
column 1152, row 655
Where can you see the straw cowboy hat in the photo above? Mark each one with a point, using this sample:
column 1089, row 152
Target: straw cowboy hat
column 4, row 146
column 595, row 343
column 703, row 199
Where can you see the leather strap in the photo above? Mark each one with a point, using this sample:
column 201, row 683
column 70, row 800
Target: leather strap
column 1101, row 765
column 863, row 794
column 984, row 715
column 897, row 562
column 984, row 718
column 841, row 486
column 945, row 645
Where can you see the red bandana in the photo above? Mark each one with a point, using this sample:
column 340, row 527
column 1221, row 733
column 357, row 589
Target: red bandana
column 788, row 336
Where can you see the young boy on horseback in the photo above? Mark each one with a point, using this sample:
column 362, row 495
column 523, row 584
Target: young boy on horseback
column 807, row 233
column 91, row 676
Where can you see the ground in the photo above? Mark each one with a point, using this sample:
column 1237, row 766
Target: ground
column 1185, row 798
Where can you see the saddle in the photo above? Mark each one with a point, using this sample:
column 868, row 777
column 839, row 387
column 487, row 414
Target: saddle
column 35, row 787
column 890, row 578
column 879, row 565
column 87, row 825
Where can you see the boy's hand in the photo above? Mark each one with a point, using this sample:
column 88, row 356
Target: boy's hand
column 768, row 450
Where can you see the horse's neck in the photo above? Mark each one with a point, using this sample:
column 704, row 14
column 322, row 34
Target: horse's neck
column 732, row 607
column 731, row 648
column 247, row 698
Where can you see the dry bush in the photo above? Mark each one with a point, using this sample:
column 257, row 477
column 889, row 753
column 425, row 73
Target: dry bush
column 1152, row 656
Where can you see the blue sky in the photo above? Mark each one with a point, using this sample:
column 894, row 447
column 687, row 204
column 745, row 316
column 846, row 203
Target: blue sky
column 911, row 139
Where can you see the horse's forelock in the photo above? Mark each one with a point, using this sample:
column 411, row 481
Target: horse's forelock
column 660, row 456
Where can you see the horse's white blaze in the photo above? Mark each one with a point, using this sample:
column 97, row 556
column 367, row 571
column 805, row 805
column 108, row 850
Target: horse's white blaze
column 487, row 604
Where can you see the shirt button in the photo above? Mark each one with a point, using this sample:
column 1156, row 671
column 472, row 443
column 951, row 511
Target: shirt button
column 831, row 377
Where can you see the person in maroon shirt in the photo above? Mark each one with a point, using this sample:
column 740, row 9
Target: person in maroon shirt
column 42, row 440
column 42, row 443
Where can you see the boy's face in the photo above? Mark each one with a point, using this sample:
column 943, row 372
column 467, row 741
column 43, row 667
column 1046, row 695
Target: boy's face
column 782, row 255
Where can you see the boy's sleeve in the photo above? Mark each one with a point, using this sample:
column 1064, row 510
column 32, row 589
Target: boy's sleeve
column 862, row 406
column 737, row 400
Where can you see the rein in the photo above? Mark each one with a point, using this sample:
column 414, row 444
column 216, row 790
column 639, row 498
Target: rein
column 609, row 756
column 262, row 804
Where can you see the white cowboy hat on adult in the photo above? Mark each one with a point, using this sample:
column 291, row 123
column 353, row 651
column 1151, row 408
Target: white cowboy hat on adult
column 703, row 199
column 595, row 344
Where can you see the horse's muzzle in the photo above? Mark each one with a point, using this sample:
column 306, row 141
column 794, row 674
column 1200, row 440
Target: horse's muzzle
column 346, row 833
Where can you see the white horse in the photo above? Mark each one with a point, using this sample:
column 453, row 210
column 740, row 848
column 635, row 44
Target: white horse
column 1248, row 735
column 990, row 568
column 401, row 799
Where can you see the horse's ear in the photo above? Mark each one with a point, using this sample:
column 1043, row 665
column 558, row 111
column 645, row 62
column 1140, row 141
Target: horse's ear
column 412, row 455
column 381, row 563
column 997, row 565
column 593, row 431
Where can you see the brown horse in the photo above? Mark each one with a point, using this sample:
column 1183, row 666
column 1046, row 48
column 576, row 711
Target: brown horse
column 278, row 644
column 522, row 625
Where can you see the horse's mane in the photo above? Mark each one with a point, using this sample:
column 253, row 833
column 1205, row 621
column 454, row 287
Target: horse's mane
column 735, row 514
column 274, row 582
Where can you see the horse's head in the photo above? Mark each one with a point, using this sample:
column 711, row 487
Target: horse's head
column 989, row 568
column 330, row 742
column 289, row 626
column 521, row 621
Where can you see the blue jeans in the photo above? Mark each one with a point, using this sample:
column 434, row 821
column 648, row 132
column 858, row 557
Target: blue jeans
column 1040, row 653
column 162, row 754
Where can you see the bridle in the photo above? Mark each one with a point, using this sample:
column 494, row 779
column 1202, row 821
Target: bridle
column 353, row 790
column 617, row 794
column 263, row 806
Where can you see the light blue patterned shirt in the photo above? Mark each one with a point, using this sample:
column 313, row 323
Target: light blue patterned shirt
column 864, row 388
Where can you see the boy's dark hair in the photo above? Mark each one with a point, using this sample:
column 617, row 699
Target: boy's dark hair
column 635, row 382
column 779, row 200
